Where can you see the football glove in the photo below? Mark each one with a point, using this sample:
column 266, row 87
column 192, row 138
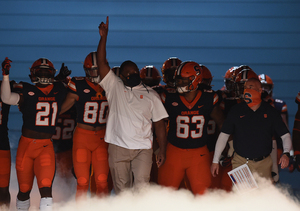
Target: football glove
column 6, row 66
column 63, row 73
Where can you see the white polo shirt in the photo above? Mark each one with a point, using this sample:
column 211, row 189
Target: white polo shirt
column 131, row 112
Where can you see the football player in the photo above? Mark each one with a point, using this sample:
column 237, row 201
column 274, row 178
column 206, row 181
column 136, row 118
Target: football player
column 63, row 142
column 89, row 147
column 150, row 76
column 189, row 111
column 5, row 156
column 221, row 181
column 267, row 95
column 40, row 105
column 296, row 134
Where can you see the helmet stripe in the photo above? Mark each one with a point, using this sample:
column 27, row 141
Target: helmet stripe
column 94, row 59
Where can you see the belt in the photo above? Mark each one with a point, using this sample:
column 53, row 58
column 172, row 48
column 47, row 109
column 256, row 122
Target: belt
column 258, row 159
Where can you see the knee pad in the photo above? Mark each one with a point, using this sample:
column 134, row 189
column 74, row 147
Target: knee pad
column 46, row 204
column 102, row 178
column 46, row 182
column 82, row 181
column 23, row 205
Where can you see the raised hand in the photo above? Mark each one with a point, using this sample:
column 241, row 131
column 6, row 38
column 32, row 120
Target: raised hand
column 6, row 66
column 63, row 73
column 103, row 28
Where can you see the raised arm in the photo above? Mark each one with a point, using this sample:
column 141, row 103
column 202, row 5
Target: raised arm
column 6, row 95
column 103, row 67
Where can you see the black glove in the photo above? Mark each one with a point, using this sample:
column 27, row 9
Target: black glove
column 6, row 66
column 63, row 73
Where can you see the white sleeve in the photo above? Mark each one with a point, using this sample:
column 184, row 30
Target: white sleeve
column 159, row 112
column 109, row 82
column 286, row 142
column 220, row 145
column 7, row 96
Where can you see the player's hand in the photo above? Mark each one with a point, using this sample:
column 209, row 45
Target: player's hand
column 103, row 28
column 214, row 169
column 284, row 161
column 6, row 66
column 160, row 158
column 63, row 72
column 297, row 162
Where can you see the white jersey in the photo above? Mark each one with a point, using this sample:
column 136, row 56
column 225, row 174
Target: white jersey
column 131, row 113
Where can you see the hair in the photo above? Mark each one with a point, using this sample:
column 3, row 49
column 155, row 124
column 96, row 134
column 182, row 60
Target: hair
column 126, row 64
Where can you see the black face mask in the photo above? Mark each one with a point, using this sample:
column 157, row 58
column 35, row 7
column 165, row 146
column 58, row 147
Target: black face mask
column 133, row 79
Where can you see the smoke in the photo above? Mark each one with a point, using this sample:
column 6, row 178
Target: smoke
column 154, row 197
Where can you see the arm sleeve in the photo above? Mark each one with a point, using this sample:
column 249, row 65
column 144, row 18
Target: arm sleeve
column 220, row 145
column 286, row 142
column 7, row 96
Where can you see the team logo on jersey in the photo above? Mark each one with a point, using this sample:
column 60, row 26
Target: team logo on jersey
column 31, row 93
column 174, row 104
column 141, row 96
column 265, row 115
column 86, row 91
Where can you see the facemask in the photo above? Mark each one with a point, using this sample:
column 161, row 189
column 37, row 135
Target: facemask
column 133, row 79
column 95, row 79
column 252, row 97
column 264, row 94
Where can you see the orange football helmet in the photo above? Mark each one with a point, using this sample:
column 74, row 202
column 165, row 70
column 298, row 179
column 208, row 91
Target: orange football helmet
column 42, row 71
column 91, row 68
column 206, row 75
column 266, row 84
column 168, row 70
column 188, row 76
column 229, row 79
column 150, row 76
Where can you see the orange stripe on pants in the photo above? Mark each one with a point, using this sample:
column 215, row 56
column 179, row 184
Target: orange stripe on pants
column 89, row 148
column 195, row 163
column 35, row 157
column 5, row 162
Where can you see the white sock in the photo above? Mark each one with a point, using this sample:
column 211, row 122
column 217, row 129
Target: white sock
column 46, row 204
column 23, row 205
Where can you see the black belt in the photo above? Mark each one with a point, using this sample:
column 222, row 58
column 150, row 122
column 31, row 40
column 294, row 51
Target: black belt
column 258, row 159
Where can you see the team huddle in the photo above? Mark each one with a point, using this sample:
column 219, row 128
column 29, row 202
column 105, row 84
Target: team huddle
column 117, row 128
